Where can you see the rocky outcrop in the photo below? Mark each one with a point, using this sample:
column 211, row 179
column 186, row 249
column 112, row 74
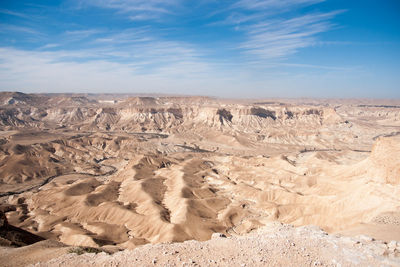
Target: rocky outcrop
column 384, row 162
column 16, row 236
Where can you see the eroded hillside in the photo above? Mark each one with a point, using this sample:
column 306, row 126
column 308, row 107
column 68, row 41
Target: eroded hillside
column 106, row 171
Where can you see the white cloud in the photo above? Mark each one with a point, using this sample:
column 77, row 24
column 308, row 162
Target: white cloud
column 78, row 35
column 49, row 46
column 144, row 58
column 136, row 9
column 161, row 63
column 16, row 28
column 42, row 71
column 84, row 33
column 13, row 13
column 273, row 4
column 270, row 31
column 280, row 38
column 141, row 17
column 265, row 35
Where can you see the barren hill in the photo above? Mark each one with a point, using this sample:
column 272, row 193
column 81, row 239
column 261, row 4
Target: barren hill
column 120, row 172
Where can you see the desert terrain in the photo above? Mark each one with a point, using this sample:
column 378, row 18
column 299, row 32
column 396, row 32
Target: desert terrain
column 153, row 178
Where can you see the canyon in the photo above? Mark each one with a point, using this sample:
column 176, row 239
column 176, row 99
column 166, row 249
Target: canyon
column 117, row 172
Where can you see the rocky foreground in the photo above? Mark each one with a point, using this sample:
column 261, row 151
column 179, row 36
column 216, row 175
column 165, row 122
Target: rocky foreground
column 273, row 245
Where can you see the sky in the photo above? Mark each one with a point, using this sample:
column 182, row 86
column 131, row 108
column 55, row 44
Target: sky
column 236, row 48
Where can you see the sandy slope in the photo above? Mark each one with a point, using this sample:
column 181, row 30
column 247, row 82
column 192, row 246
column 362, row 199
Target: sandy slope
column 154, row 198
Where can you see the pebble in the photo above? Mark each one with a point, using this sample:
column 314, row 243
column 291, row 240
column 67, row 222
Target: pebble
column 218, row 235
column 392, row 244
column 365, row 238
column 379, row 250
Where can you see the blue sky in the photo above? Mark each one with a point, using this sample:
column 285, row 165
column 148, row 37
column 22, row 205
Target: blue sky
column 237, row 48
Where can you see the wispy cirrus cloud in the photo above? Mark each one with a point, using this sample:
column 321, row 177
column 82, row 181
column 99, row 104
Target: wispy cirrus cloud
column 256, row 36
column 136, row 9
column 143, row 17
column 76, row 35
column 18, row 28
column 99, row 70
column 268, row 29
column 273, row 4
column 49, row 46
column 13, row 13
column 279, row 38
column 272, row 29
column 41, row 71
column 236, row 18
column 136, row 49
column 84, row 33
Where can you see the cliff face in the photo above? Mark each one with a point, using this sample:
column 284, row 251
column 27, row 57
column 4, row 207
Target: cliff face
column 202, row 119
column 250, row 117
column 14, row 236
column 384, row 161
